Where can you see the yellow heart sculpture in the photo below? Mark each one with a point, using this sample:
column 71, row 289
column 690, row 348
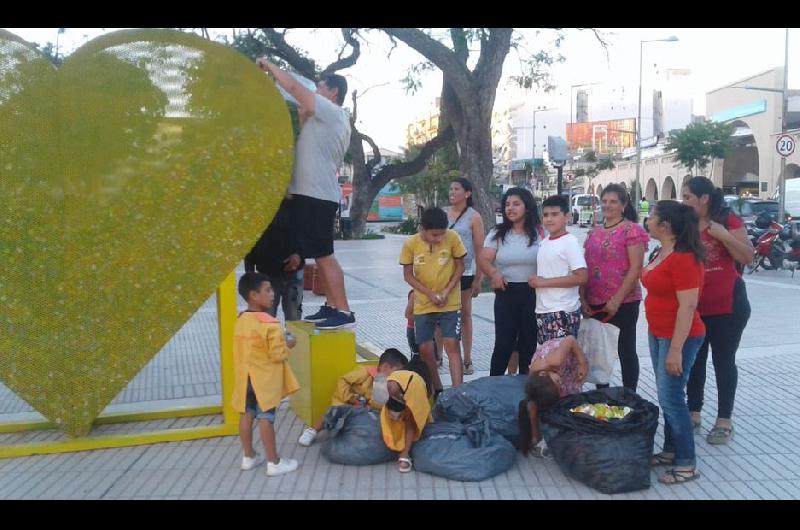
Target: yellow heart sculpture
column 132, row 181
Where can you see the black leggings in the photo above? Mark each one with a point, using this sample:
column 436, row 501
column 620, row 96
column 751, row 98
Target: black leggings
column 625, row 319
column 723, row 333
column 514, row 326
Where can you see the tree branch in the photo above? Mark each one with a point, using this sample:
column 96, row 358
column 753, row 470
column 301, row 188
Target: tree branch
column 304, row 66
column 600, row 38
column 349, row 35
column 412, row 167
column 439, row 54
column 376, row 152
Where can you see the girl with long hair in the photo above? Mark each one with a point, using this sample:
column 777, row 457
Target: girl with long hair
column 508, row 258
column 467, row 222
column 723, row 304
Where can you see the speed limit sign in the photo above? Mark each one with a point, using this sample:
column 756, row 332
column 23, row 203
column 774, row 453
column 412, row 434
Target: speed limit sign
column 785, row 145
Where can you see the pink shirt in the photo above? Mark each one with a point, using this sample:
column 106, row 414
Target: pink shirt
column 567, row 372
column 606, row 253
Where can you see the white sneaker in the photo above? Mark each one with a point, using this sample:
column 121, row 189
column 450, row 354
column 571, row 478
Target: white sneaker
column 284, row 465
column 308, row 437
column 249, row 463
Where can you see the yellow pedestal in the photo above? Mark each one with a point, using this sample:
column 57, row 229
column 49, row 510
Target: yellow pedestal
column 318, row 360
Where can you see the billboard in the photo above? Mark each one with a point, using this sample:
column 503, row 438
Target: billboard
column 602, row 137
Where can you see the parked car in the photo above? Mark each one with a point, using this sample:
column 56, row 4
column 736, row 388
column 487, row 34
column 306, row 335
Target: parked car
column 748, row 209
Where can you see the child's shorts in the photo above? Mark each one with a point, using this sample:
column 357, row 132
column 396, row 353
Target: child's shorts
column 449, row 321
column 557, row 325
column 251, row 406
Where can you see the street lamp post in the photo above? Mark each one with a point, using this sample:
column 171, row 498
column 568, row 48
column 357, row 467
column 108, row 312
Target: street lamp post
column 638, row 191
column 784, row 127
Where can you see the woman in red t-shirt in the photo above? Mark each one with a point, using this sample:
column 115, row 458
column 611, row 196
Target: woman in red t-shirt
column 674, row 279
column 723, row 304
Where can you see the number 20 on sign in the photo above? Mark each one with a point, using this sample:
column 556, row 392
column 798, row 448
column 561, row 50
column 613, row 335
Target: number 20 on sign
column 785, row 145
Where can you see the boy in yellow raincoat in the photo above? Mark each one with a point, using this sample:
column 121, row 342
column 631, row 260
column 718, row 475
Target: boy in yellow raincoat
column 405, row 414
column 356, row 388
column 262, row 376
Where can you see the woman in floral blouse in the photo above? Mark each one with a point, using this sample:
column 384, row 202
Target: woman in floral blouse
column 614, row 256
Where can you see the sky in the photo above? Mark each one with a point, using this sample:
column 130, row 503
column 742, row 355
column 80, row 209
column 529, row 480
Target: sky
column 715, row 56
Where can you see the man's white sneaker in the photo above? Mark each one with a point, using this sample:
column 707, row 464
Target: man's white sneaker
column 308, row 437
column 249, row 463
column 284, row 465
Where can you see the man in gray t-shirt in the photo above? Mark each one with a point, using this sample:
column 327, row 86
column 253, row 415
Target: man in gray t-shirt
column 321, row 146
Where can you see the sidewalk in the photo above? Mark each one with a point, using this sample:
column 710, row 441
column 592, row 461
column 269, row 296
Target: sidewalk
column 761, row 462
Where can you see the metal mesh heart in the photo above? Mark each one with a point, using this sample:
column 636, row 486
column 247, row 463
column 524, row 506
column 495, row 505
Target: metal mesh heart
column 133, row 180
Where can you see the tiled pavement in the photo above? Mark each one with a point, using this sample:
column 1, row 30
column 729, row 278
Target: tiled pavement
column 761, row 462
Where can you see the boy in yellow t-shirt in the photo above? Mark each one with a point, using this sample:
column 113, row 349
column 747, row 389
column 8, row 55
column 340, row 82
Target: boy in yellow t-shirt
column 262, row 376
column 356, row 388
column 433, row 261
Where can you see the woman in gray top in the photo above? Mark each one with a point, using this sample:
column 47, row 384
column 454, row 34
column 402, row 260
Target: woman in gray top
column 469, row 225
column 508, row 258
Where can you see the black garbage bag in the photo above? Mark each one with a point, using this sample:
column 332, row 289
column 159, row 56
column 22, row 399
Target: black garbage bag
column 611, row 457
column 468, row 453
column 494, row 398
column 354, row 437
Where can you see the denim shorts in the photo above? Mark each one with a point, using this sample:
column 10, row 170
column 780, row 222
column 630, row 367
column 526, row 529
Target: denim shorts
column 251, row 406
column 449, row 321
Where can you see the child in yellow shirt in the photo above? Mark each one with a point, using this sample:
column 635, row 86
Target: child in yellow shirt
column 406, row 413
column 356, row 388
column 262, row 376
column 433, row 262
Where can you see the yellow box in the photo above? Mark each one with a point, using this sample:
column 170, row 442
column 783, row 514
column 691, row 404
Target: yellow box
column 318, row 360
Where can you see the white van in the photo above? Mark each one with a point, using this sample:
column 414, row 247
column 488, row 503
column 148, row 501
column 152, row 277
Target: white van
column 583, row 202
column 793, row 197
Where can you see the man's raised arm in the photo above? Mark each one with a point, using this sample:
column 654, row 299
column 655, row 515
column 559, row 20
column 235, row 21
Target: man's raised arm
column 304, row 97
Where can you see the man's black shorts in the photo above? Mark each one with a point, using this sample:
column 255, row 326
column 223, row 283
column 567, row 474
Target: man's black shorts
column 313, row 220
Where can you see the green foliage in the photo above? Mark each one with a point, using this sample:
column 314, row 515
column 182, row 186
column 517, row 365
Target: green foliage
column 430, row 186
column 372, row 235
column 536, row 66
column 590, row 156
column 605, row 164
column 409, row 226
column 698, row 143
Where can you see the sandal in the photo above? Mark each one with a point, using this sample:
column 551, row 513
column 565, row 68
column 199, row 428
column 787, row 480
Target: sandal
column 468, row 369
column 678, row 476
column 404, row 464
column 661, row 459
column 719, row 435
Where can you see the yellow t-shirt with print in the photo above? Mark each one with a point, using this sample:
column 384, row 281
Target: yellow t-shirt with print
column 433, row 267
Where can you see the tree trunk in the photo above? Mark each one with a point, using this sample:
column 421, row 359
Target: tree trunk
column 366, row 186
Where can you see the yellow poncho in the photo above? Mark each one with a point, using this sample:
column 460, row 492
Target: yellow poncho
column 356, row 383
column 260, row 353
column 416, row 398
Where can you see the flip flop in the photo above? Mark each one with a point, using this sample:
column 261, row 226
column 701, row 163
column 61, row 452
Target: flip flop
column 403, row 460
column 719, row 435
column 678, row 476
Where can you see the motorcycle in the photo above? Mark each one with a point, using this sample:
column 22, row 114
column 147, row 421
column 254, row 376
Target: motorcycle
column 770, row 245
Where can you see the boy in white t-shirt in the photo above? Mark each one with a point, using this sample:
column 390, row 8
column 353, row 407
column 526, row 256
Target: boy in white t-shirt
column 561, row 270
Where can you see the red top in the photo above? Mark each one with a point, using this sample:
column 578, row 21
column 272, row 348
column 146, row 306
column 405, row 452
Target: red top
column 678, row 272
column 717, row 295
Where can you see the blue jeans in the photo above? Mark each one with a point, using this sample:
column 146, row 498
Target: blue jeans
column 678, row 432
